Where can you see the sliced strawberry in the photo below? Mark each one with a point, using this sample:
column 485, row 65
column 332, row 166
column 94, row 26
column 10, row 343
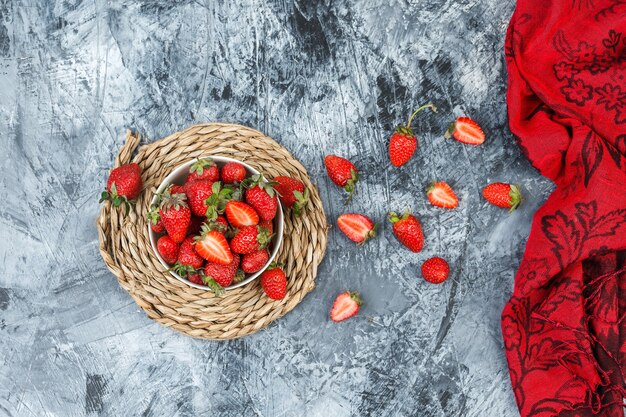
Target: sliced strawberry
column 357, row 227
column 213, row 247
column 345, row 306
column 466, row 130
column 240, row 214
column 440, row 194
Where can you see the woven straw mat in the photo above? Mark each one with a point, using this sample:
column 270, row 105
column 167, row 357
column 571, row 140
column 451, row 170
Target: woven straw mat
column 126, row 250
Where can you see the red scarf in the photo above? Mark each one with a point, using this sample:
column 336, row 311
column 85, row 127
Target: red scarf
column 565, row 327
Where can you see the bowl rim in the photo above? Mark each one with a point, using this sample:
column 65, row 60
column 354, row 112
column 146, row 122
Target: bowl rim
column 278, row 232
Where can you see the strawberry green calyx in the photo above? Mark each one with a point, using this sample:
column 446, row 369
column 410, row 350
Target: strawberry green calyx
column 153, row 215
column 216, row 203
column 275, row 265
column 216, row 288
column 301, row 201
column 394, row 217
column 350, row 186
column 262, row 183
column 419, row 109
column 356, row 297
column 516, row 197
column 199, row 166
column 115, row 199
column 264, row 237
column 170, row 201
column 182, row 269
column 239, row 276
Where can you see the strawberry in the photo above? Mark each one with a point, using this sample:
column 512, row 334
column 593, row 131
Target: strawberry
column 168, row 249
column 187, row 256
column 220, row 223
column 177, row 189
column 292, row 193
column 261, row 196
column 255, row 261
column 175, row 216
column 222, row 275
column 402, row 144
column 343, row 173
column 503, row 195
column 274, row 282
column 216, row 203
column 435, row 270
column 233, row 172
column 267, row 225
column 213, row 246
column 195, row 225
column 440, row 194
column 357, row 227
column 124, row 185
column 240, row 214
column 345, row 306
column 465, row 130
column 250, row 239
column 203, row 169
column 155, row 220
column 195, row 277
column 197, row 194
column 408, row 230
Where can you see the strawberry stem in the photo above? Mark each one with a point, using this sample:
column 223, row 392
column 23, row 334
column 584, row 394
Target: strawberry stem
column 432, row 107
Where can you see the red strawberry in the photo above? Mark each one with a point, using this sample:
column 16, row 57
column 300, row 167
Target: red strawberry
column 261, row 196
column 345, row 306
column 292, row 193
column 155, row 220
column 408, row 230
column 250, row 239
column 403, row 143
column 255, row 261
column 274, row 282
column 267, row 225
column 342, row 172
column 168, row 249
column 440, row 194
column 203, row 169
column 187, row 255
column 465, row 130
column 216, row 203
column 213, row 246
column 357, row 227
column 503, row 195
column 195, row 277
column 197, row 193
column 195, row 225
column 124, row 184
column 435, row 270
column 177, row 189
column 223, row 275
column 175, row 216
column 240, row 214
column 233, row 172
column 221, row 222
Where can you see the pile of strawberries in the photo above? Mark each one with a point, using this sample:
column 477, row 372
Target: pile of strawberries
column 406, row 227
column 216, row 227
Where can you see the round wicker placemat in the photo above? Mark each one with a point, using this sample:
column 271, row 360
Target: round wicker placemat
column 126, row 250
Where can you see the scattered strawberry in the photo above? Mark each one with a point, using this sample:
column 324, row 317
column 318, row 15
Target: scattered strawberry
column 345, row 306
column 187, row 256
column 465, row 130
column 197, row 194
column 233, row 172
column 213, row 246
column 440, row 194
column 240, row 214
column 503, row 195
column 403, row 143
column 203, row 169
column 168, row 249
column 250, row 239
column 357, row 227
column 292, row 193
column 267, row 225
column 155, row 220
column 435, row 270
column 222, row 275
column 262, row 197
column 343, row 173
column 255, row 261
column 123, row 185
column 175, row 216
column 408, row 230
column 274, row 282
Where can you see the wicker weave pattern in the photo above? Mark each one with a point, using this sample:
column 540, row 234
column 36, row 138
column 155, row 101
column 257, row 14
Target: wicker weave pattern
column 125, row 245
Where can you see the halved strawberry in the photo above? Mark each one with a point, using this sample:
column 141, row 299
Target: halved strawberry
column 240, row 214
column 345, row 306
column 465, row 130
column 357, row 227
column 440, row 194
column 213, row 246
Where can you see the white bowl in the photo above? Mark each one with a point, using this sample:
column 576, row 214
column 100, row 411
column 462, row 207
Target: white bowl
column 178, row 176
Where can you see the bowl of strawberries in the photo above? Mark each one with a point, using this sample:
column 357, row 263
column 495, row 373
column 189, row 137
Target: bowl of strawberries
column 215, row 223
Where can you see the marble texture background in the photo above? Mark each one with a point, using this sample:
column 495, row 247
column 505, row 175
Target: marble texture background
column 320, row 77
